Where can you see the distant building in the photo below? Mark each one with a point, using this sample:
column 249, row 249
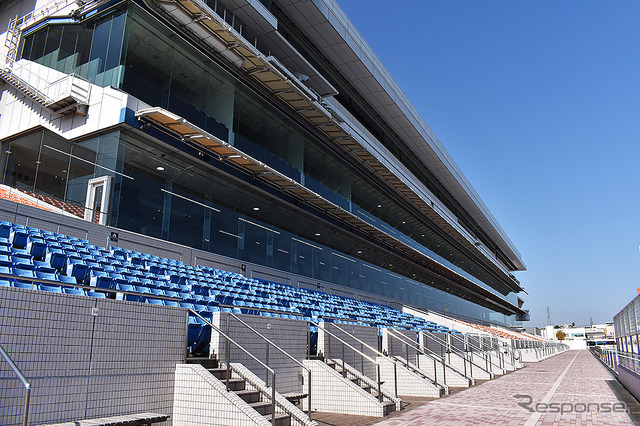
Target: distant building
column 597, row 334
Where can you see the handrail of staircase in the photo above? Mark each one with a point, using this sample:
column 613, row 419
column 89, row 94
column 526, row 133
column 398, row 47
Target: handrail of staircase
column 477, row 348
column 25, row 382
column 45, row 99
column 284, row 353
column 435, row 357
column 453, row 349
column 377, row 352
column 228, row 362
column 378, row 378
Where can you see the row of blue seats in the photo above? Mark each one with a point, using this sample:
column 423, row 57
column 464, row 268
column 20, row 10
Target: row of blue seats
column 57, row 257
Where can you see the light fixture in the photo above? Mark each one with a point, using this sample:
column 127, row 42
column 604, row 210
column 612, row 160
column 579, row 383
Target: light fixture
column 379, row 205
column 317, row 234
column 359, row 251
column 160, row 168
column 256, row 209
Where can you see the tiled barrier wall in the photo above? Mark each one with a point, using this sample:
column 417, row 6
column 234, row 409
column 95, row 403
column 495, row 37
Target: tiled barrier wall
column 334, row 394
column 290, row 335
column 202, row 401
column 332, row 347
column 399, row 347
column 434, row 341
column 87, row 357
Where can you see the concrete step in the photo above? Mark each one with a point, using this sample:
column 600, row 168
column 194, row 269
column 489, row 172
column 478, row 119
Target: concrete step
column 204, row 361
column 218, row 373
column 261, row 407
column 248, row 395
column 281, row 419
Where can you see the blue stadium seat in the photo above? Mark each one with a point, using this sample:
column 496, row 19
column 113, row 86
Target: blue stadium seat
column 37, row 248
column 125, row 287
column 51, row 288
column 78, row 271
column 76, row 291
column 45, row 275
column 66, row 279
column 99, row 279
column 19, row 238
column 96, row 294
column 5, row 229
column 20, row 284
column 20, row 271
column 56, row 260
column 5, row 283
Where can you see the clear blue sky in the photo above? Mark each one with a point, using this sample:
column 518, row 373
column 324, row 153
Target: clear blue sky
column 539, row 105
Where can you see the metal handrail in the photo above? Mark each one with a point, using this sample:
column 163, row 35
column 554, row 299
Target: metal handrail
column 611, row 357
column 283, row 352
column 456, row 350
column 34, row 281
column 359, row 352
column 477, row 348
column 228, row 363
column 24, row 381
column 377, row 352
column 435, row 358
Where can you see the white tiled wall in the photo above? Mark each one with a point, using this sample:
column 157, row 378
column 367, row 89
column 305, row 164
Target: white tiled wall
column 409, row 384
column 121, row 361
column 332, row 347
column 400, row 346
column 290, row 335
column 201, row 400
column 334, row 394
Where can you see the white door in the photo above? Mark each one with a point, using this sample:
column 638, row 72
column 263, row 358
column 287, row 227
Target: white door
column 96, row 204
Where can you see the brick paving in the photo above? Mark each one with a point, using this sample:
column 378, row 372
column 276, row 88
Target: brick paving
column 574, row 381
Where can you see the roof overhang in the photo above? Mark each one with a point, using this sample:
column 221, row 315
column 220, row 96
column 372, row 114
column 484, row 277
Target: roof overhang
column 326, row 25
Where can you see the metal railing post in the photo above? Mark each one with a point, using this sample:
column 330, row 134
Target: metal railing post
column 228, row 356
column 25, row 382
column 444, row 372
column 267, row 371
column 273, row 400
column 395, row 377
column 464, row 362
column 309, row 395
column 379, row 382
column 435, row 371
column 344, row 371
column 308, row 340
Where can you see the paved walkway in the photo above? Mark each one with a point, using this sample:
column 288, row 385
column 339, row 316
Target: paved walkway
column 574, row 382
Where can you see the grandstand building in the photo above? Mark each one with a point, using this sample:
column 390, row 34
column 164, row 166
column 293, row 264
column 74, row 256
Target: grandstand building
column 267, row 132
column 218, row 159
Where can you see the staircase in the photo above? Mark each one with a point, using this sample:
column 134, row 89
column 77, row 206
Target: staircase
column 238, row 386
column 349, row 373
column 24, row 87
column 70, row 93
